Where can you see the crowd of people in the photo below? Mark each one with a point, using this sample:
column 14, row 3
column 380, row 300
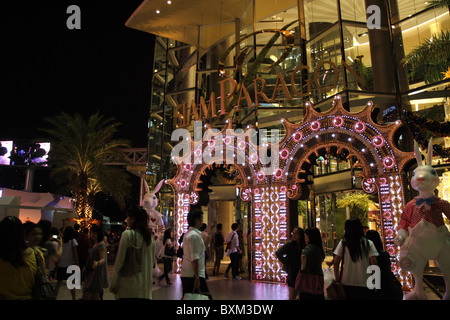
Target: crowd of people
column 25, row 247
column 352, row 257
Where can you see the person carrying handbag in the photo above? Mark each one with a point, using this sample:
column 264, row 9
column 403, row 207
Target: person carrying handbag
column 133, row 268
column 358, row 253
column 309, row 280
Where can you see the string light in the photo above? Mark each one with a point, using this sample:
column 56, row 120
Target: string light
column 269, row 192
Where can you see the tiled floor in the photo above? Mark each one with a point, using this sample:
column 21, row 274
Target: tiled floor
column 220, row 287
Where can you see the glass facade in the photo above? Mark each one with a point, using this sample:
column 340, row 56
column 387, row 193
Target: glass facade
column 340, row 55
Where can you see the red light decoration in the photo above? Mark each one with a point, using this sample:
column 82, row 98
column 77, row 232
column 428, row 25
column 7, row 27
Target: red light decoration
column 297, row 136
column 284, row 154
column 338, row 122
column 360, row 127
column 378, row 141
column 278, row 173
column 388, row 162
column 260, row 175
column 315, row 125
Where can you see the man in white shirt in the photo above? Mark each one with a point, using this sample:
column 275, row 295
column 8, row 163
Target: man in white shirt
column 193, row 266
column 233, row 251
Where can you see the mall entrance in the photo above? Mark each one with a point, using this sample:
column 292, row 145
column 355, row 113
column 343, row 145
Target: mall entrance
column 272, row 194
column 222, row 204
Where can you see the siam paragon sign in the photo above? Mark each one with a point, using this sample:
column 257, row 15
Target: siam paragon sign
column 216, row 107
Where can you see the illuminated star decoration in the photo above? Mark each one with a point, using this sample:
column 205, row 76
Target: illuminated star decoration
column 446, row 74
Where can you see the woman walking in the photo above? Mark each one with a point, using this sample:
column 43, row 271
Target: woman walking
column 138, row 283
column 312, row 259
column 391, row 288
column 96, row 272
column 290, row 256
column 168, row 254
column 69, row 257
column 358, row 254
column 218, row 249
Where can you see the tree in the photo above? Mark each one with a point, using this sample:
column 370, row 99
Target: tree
column 438, row 4
column 81, row 150
column 431, row 58
column 358, row 204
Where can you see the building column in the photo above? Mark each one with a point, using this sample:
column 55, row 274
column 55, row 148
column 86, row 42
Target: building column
column 381, row 51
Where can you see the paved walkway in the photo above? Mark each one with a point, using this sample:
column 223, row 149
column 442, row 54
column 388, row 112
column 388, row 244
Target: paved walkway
column 220, row 287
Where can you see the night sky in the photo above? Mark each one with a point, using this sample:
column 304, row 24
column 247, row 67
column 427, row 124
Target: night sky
column 46, row 68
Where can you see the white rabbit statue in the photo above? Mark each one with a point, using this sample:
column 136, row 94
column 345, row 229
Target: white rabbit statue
column 155, row 220
column 422, row 234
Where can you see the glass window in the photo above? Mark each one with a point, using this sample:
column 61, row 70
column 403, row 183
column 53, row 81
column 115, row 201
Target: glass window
column 402, row 9
column 357, row 56
column 319, row 15
column 353, row 10
column 414, row 32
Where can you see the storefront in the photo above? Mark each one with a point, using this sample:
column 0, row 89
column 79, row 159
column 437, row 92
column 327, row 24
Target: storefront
column 300, row 51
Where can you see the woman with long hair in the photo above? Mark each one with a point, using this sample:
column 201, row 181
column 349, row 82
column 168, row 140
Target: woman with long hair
column 138, row 282
column 290, row 256
column 358, row 254
column 312, row 259
column 68, row 258
column 96, row 272
column 168, row 254
column 391, row 289
column 18, row 265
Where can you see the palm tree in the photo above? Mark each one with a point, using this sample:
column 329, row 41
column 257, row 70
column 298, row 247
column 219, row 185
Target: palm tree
column 432, row 57
column 81, row 150
column 438, row 4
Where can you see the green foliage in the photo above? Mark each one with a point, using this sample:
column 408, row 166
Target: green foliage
column 367, row 73
column 81, row 149
column 358, row 204
column 431, row 58
column 438, row 4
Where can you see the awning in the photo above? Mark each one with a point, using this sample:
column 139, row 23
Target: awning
column 201, row 23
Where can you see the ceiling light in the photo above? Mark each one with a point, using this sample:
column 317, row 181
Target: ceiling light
column 157, row 11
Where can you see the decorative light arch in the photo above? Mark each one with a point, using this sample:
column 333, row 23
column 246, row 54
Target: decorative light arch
column 372, row 144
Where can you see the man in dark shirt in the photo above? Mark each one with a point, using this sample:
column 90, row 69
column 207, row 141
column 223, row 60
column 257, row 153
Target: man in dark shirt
column 218, row 248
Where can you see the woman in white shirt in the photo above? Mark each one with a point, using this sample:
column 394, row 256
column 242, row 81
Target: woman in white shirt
column 138, row 285
column 358, row 253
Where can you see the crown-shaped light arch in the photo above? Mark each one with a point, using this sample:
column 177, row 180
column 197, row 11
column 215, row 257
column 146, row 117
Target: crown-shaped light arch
column 371, row 144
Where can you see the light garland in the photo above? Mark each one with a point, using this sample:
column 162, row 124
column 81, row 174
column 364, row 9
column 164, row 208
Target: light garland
column 269, row 191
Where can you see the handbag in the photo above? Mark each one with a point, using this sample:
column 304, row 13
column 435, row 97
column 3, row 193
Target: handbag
column 43, row 289
column 133, row 260
column 309, row 282
column 228, row 248
column 195, row 296
column 335, row 291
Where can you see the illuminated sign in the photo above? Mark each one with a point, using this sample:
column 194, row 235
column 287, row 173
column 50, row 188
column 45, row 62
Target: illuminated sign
column 215, row 107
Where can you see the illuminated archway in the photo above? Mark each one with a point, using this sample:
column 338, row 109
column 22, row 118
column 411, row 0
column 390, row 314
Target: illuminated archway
column 372, row 144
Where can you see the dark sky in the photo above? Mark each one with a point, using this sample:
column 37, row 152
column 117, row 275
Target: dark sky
column 46, row 68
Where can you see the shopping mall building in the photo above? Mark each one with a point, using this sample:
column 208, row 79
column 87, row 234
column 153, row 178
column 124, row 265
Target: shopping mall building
column 329, row 75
